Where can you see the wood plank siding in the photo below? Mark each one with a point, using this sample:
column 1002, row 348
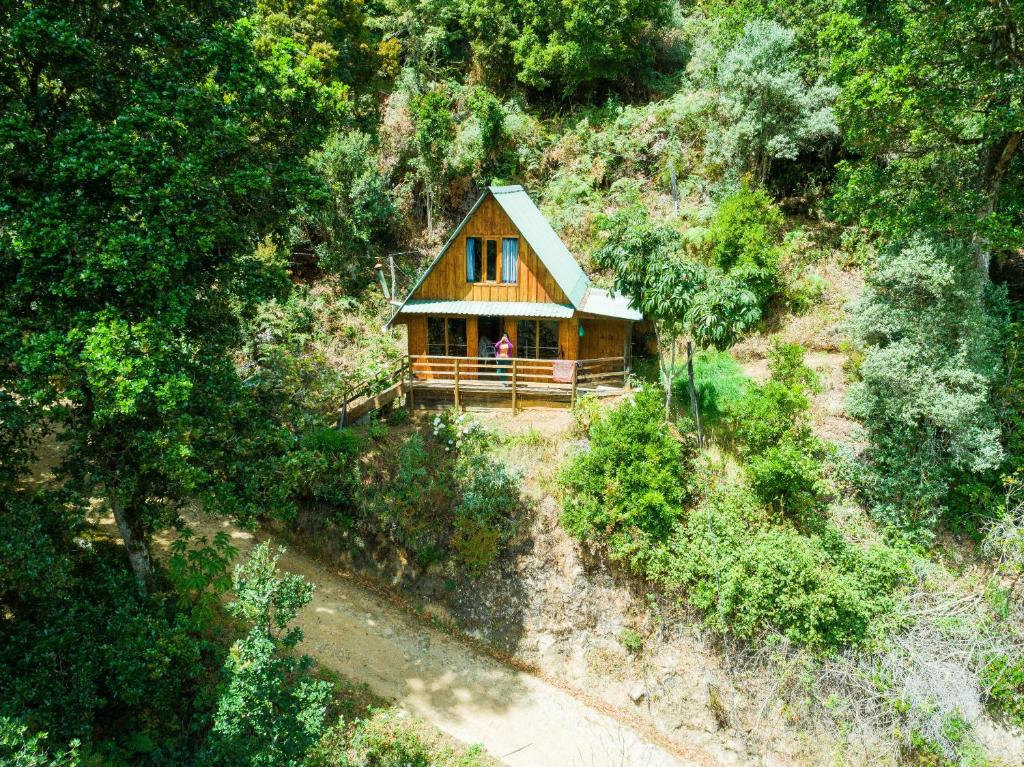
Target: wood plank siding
column 448, row 278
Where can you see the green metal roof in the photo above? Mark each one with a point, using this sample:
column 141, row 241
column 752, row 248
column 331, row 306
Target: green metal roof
column 608, row 304
column 552, row 253
column 488, row 308
column 545, row 242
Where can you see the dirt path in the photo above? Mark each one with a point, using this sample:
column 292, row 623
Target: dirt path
column 515, row 716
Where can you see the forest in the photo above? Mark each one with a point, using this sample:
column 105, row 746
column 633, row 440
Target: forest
column 199, row 203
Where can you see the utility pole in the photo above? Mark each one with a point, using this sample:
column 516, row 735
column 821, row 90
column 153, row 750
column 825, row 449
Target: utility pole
column 394, row 278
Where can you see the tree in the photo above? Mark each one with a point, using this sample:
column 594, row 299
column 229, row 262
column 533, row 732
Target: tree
column 932, row 359
column 931, row 104
column 345, row 228
column 678, row 295
column 270, row 709
column 147, row 150
column 435, row 133
column 764, row 108
column 565, row 49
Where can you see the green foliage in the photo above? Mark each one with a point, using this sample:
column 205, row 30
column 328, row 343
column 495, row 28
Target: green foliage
column 720, row 383
column 746, row 235
column 765, row 109
column 20, row 748
column 1003, row 677
column 925, row 398
column 392, row 739
column 488, row 510
column 928, row 89
column 748, row 576
column 446, row 495
column 348, row 226
column 270, row 709
column 786, row 474
column 565, row 50
column 628, row 486
column 631, row 640
column 147, row 151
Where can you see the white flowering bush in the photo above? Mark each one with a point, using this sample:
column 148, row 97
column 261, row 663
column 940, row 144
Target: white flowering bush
column 458, row 432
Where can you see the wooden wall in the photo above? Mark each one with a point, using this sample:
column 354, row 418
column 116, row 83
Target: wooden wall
column 448, row 278
column 603, row 338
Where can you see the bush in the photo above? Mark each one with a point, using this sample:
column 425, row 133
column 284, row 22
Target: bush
column 749, row 577
column 765, row 415
column 786, row 474
column 746, row 232
column 629, row 486
column 389, row 739
column 1004, row 678
column 440, row 495
column 487, row 512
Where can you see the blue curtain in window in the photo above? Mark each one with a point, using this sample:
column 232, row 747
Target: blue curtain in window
column 510, row 259
column 472, row 259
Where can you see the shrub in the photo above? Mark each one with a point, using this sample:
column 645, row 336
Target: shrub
column 631, row 640
column 1003, row 676
column 932, row 357
column 746, row 232
column 390, row 739
column 487, row 512
column 803, row 294
column 777, row 408
column 749, row 577
column 628, row 487
column 765, row 415
column 785, row 474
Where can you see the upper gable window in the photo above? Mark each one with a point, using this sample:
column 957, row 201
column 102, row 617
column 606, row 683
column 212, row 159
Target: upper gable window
column 510, row 260
column 492, row 260
column 473, row 259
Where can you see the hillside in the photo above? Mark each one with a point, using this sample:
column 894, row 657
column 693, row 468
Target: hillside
column 807, row 550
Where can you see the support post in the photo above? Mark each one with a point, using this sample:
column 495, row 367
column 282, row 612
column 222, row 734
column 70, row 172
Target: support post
column 513, row 386
column 456, row 383
column 575, row 375
column 412, row 384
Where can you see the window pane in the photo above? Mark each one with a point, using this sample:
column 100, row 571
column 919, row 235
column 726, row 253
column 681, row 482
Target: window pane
column 548, row 343
column 473, row 259
column 492, row 260
column 510, row 260
column 526, row 339
column 435, row 336
column 456, row 337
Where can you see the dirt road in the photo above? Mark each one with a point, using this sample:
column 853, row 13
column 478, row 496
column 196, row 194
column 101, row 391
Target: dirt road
column 517, row 717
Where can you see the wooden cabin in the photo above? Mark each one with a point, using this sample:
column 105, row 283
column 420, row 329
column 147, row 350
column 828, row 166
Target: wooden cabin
column 505, row 272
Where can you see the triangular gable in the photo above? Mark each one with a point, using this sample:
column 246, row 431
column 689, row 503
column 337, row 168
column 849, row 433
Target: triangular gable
column 536, row 230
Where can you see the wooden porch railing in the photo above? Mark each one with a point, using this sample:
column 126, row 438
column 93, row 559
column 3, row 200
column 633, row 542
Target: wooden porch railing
column 374, row 393
column 517, row 376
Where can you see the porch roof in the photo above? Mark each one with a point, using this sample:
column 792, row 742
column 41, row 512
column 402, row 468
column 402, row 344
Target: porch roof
column 609, row 304
column 488, row 308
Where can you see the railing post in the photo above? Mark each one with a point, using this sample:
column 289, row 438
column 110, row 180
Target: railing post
column 575, row 373
column 513, row 386
column 456, row 383
column 412, row 384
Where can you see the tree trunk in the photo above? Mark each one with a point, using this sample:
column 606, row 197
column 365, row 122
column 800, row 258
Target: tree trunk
column 669, row 379
column 694, row 404
column 430, row 212
column 135, row 543
column 995, row 162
